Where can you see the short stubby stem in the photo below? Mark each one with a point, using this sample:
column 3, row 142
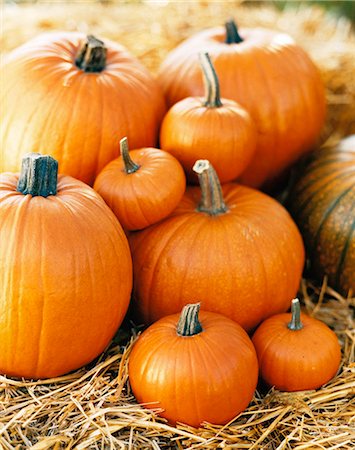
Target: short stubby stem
column 295, row 322
column 189, row 324
column 39, row 175
column 129, row 165
column 92, row 55
column 212, row 201
column 232, row 34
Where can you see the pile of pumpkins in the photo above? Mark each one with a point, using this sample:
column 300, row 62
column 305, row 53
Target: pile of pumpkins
column 71, row 255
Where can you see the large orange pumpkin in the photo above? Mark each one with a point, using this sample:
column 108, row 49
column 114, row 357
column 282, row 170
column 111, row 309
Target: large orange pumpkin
column 212, row 128
column 65, row 272
column 235, row 249
column 270, row 76
column 74, row 97
column 196, row 369
column 322, row 202
column 296, row 352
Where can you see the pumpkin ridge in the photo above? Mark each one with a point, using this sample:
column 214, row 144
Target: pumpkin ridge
column 158, row 259
column 271, row 101
column 325, row 216
column 344, row 253
column 329, row 185
column 99, row 119
column 26, row 123
column 60, row 99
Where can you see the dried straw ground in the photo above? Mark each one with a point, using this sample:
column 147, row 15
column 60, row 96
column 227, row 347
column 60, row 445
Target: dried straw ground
column 93, row 408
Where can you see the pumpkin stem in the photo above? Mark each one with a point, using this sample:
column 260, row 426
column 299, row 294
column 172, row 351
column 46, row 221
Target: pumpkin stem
column 295, row 322
column 212, row 201
column 213, row 98
column 232, row 34
column 189, row 325
column 129, row 165
column 39, row 175
column 91, row 56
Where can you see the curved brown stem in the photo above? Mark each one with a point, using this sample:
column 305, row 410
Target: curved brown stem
column 295, row 322
column 212, row 201
column 92, row 55
column 39, row 175
column 232, row 34
column 213, row 98
column 129, row 165
column 188, row 324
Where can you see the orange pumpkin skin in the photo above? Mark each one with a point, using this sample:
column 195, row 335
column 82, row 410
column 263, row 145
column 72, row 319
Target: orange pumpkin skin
column 296, row 360
column 65, row 276
column 226, row 136
column 245, row 264
column 51, row 106
column 146, row 196
column 208, row 377
column 322, row 203
column 267, row 74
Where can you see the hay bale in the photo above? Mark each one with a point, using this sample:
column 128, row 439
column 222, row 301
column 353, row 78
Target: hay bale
column 93, row 408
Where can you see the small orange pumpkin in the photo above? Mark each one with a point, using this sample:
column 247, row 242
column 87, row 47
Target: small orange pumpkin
column 268, row 74
column 65, row 272
column 216, row 129
column 197, row 369
column 296, row 352
column 234, row 248
column 73, row 96
column 143, row 190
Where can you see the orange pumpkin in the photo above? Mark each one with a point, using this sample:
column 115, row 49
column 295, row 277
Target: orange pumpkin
column 296, row 352
column 216, row 129
column 65, row 272
column 234, row 248
column 73, row 97
column 143, row 190
column 268, row 74
column 195, row 369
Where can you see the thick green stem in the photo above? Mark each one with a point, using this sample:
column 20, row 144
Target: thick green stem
column 189, row 325
column 213, row 98
column 212, row 201
column 129, row 165
column 232, row 35
column 39, row 175
column 92, row 55
column 295, row 322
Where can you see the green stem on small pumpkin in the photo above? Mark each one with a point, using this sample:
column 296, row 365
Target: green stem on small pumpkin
column 91, row 56
column 232, row 34
column 295, row 322
column 39, row 175
column 188, row 324
column 129, row 165
column 212, row 201
column 213, row 98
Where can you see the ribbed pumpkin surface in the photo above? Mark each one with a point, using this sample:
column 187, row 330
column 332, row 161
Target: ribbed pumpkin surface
column 323, row 205
column 65, row 278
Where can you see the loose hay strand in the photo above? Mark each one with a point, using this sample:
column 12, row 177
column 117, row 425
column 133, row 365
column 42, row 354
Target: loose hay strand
column 93, row 408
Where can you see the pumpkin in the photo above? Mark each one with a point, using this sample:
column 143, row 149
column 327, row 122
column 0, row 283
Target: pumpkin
column 142, row 186
column 212, row 128
column 296, row 352
column 73, row 97
column 322, row 201
column 196, row 369
column 65, row 272
column 269, row 75
column 232, row 247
